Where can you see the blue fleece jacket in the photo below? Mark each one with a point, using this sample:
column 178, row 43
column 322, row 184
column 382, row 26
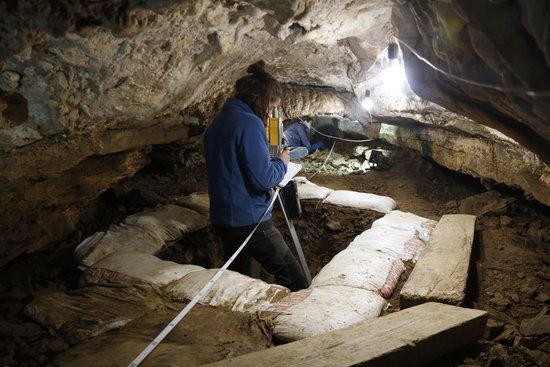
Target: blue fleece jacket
column 240, row 171
column 296, row 136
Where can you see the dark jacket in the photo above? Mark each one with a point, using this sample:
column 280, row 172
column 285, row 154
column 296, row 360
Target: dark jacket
column 296, row 136
column 240, row 172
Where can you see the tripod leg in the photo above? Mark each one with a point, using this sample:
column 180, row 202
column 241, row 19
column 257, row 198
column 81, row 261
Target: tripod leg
column 296, row 241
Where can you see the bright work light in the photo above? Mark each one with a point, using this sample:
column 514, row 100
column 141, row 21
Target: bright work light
column 367, row 102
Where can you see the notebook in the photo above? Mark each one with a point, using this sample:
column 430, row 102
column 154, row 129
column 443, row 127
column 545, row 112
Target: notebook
column 291, row 170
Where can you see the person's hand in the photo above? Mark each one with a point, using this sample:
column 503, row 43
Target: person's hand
column 284, row 154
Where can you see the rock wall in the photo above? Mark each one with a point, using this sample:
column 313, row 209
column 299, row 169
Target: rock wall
column 301, row 100
column 502, row 43
column 47, row 185
column 162, row 58
column 477, row 152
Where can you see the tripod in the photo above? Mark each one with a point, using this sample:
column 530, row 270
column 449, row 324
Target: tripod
column 296, row 241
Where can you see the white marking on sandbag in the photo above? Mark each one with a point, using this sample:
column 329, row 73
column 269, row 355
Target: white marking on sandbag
column 86, row 246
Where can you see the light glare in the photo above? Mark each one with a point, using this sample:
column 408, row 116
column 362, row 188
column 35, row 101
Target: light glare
column 393, row 78
column 367, row 103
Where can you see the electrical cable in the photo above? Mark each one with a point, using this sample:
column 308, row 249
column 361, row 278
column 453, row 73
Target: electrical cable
column 339, row 138
column 382, row 53
column 160, row 337
column 376, row 60
column 325, row 162
column 530, row 93
column 336, row 137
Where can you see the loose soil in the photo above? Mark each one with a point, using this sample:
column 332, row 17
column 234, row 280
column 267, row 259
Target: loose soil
column 207, row 335
column 325, row 230
column 510, row 265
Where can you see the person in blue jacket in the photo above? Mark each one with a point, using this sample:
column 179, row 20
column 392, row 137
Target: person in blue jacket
column 241, row 176
column 296, row 138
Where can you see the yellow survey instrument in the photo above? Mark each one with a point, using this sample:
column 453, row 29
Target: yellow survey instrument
column 274, row 131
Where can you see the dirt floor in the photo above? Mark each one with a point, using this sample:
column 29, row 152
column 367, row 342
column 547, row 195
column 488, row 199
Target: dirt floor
column 325, row 230
column 228, row 334
column 510, row 269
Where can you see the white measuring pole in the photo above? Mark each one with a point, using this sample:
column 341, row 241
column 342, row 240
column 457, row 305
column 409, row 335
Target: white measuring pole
column 160, row 337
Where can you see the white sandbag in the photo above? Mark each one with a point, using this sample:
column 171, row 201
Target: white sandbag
column 142, row 232
column 407, row 221
column 365, row 269
column 232, row 290
column 361, row 200
column 399, row 243
column 318, row 310
column 136, row 265
column 168, row 222
column 198, row 201
column 121, row 237
column 86, row 246
column 309, row 190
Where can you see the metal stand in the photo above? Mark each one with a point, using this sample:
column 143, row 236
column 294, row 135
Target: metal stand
column 296, row 241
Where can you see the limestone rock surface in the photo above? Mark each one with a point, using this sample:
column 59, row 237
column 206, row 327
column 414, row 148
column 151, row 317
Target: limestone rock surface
column 500, row 43
column 476, row 152
column 87, row 87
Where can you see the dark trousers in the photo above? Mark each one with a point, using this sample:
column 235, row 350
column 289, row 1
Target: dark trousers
column 268, row 247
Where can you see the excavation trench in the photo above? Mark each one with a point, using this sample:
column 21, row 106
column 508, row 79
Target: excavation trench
column 214, row 333
column 324, row 230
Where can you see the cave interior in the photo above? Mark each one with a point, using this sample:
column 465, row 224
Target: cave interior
column 425, row 219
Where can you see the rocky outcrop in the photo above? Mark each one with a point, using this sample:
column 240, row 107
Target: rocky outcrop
column 47, row 185
column 502, row 43
column 477, row 152
column 113, row 62
column 301, row 100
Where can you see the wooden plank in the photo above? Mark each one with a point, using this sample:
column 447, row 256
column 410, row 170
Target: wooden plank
column 441, row 273
column 410, row 337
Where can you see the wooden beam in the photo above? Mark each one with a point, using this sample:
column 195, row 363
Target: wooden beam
column 441, row 273
column 410, row 337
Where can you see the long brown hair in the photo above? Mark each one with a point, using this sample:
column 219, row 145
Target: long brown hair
column 258, row 89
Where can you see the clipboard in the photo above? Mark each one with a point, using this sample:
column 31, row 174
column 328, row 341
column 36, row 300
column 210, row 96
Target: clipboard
column 291, row 170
